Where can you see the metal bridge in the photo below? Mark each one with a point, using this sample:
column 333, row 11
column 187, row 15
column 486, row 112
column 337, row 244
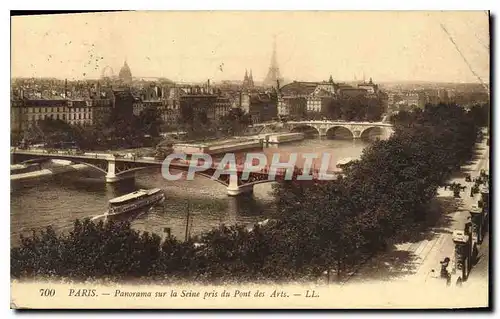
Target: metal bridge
column 118, row 168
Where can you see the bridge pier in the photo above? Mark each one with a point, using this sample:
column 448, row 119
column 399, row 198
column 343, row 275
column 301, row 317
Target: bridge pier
column 239, row 190
column 234, row 189
column 111, row 176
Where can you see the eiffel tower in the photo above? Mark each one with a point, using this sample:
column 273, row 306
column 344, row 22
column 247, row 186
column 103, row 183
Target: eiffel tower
column 273, row 74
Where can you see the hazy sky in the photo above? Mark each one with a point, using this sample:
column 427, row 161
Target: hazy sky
column 190, row 46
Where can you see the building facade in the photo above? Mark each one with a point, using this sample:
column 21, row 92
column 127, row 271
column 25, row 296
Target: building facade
column 27, row 112
column 299, row 98
column 79, row 112
column 261, row 107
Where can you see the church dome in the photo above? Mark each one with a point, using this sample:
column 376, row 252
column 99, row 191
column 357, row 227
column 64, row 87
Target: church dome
column 125, row 74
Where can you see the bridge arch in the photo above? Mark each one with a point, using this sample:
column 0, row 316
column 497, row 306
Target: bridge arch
column 98, row 168
column 339, row 131
column 202, row 174
column 260, row 182
column 305, row 128
column 135, row 169
column 75, row 161
column 373, row 131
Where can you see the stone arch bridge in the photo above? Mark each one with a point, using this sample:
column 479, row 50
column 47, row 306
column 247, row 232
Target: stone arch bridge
column 357, row 129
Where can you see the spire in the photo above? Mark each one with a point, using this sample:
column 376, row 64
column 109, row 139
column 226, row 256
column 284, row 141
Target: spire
column 331, row 79
column 274, row 59
column 251, row 79
column 246, row 75
column 274, row 73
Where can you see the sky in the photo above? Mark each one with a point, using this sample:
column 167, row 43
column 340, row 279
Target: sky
column 311, row 45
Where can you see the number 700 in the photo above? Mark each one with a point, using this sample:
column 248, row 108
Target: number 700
column 47, row 292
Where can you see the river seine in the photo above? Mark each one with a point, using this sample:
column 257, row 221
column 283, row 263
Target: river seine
column 60, row 199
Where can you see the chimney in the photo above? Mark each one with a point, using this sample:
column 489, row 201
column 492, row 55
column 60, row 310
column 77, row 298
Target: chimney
column 208, row 84
column 98, row 90
column 66, row 88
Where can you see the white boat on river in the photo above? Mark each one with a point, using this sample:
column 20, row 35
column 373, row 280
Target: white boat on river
column 139, row 199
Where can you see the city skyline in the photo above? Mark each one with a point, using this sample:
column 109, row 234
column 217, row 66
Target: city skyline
column 78, row 46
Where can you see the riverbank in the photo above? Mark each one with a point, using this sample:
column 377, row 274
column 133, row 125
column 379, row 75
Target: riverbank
column 48, row 172
column 219, row 146
column 275, row 138
column 413, row 261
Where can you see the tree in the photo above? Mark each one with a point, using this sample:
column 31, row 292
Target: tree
column 235, row 122
column 150, row 121
column 50, row 131
column 385, row 193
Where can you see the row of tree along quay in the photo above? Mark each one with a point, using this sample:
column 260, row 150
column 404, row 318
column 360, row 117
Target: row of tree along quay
column 323, row 227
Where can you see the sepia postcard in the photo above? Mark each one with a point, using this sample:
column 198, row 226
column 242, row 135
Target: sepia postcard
column 250, row 160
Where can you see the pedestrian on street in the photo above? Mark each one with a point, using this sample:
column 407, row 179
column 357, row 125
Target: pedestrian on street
column 444, row 270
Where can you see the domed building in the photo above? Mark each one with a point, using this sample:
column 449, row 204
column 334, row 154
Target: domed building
column 125, row 74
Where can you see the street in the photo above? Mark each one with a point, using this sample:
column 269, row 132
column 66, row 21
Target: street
column 414, row 261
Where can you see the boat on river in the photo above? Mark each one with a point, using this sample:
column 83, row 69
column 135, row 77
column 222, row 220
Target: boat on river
column 141, row 198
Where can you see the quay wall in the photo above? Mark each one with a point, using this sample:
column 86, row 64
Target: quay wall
column 48, row 172
column 217, row 148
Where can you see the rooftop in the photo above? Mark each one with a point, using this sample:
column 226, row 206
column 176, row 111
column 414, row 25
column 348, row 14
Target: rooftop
column 299, row 88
